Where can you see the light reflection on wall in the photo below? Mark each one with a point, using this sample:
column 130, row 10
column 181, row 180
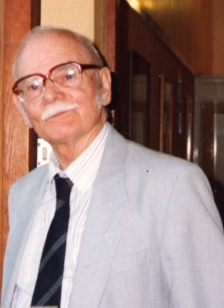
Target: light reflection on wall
column 141, row 5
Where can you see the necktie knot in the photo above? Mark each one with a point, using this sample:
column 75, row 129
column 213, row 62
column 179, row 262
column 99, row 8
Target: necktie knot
column 63, row 187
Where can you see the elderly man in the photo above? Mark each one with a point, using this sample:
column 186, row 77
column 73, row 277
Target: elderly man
column 107, row 223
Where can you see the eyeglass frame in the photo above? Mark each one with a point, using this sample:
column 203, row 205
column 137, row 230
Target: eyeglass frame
column 81, row 67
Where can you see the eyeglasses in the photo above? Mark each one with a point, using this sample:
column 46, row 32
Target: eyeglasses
column 65, row 75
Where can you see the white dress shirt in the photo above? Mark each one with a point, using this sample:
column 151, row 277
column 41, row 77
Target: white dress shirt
column 82, row 172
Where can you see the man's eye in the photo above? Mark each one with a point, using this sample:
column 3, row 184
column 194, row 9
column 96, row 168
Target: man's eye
column 33, row 86
column 69, row 76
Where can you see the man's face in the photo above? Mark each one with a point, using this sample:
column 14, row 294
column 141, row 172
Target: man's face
column 82, row 122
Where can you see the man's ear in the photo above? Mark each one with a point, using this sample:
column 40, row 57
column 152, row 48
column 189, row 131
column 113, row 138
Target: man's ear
column 106, row 85
column 21, row 108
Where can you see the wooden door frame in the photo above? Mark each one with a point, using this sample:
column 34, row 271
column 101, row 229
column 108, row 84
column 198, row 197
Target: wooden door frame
column 105, row 29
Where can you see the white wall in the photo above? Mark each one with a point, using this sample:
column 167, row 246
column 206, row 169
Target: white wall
column 77, row 15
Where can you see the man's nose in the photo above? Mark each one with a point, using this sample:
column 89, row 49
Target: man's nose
column 51, row 91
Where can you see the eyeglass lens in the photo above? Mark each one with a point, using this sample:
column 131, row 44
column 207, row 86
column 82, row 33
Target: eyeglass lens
column 63, row 76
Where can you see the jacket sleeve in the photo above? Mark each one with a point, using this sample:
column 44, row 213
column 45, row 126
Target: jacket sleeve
column 192, row 249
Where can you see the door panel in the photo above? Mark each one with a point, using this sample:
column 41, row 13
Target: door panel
column 139, row 104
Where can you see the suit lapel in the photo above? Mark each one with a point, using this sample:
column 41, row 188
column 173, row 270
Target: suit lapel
column 103, row 230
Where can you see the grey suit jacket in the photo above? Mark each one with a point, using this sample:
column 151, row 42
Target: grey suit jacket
column 153, row 236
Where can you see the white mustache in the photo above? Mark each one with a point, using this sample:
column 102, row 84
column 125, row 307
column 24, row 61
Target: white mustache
column 57, row 107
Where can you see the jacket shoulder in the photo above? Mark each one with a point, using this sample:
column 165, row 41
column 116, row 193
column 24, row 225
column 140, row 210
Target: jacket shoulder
column 30, row 181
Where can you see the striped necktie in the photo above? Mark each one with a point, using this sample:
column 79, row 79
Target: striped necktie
column 48, row 286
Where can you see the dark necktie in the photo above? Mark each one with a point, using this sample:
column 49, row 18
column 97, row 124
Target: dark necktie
column 47, row 290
